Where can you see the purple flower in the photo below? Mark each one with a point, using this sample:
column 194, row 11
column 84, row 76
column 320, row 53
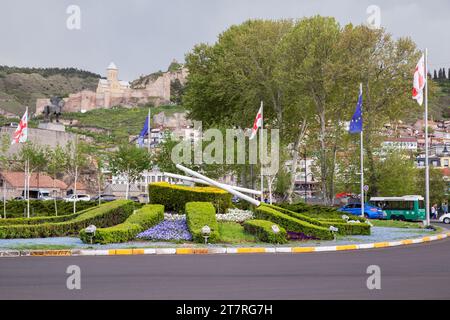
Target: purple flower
column 299, row 236
column 167, row 230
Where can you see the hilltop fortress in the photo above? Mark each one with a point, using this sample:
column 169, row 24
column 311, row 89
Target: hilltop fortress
column 112, row 92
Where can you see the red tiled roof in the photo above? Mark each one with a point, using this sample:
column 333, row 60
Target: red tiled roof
column 17, row 180
column 80, row 186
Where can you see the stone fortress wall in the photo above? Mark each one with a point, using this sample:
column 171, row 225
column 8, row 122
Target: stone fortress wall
column 112, row 92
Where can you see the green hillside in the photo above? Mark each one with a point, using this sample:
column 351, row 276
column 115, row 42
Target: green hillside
column 110, row 127
column 20, row 87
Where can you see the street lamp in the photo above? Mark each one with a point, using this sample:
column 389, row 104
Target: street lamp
column 206, row 232
column 90, row 231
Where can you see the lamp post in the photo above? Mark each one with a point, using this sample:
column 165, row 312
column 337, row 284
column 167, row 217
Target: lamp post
column 206, row 232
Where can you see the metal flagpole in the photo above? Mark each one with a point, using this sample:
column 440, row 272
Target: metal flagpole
column 4, row 197
column 427, row 167
column 148, row 147
column 28, row 188
column 261, row 144
column 362, row 158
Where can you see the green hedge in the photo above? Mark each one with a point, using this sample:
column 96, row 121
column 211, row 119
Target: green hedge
column 39, row 220
column 265, row 212
column 175, row 197
column 199, row 214
column 318, row 211
column 262, row 229
column 141, row 220
column 105, row 215
column 344, row 227
column 15, row 208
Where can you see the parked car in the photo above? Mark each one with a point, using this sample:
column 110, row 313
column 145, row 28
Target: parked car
column 79, row 197
column 104, row 198
column 445, row 218
column 370, row 212
column 135, row 199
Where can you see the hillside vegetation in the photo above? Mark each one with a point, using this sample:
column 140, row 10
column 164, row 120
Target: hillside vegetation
column 110, row 127
column 20, row 87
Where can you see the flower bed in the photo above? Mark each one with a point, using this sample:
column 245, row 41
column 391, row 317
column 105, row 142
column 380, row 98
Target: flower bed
column 173, row 229
column 235, row 215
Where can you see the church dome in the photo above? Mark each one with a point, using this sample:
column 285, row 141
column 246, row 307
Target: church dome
column 112, row 66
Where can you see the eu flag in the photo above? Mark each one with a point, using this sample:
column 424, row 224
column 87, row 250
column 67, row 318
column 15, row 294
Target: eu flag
column 356, row 124
column 144, row 132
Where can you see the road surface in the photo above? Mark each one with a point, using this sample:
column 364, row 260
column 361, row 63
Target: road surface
column 410, row 272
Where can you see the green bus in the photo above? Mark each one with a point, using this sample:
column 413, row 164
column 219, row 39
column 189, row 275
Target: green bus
column 404, row 208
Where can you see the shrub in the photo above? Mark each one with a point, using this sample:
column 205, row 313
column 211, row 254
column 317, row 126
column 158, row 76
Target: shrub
column 318, row 211
column 175, row 197
column 15, row 208
column 105, row 215
column 142, row 219
column 265, row 212
column 344, row 227
column 262, row 229
column 199, row 214
column 39, row 220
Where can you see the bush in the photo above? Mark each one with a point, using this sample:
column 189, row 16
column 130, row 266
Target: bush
column 199, row 214
column 265, row 212
column 105, row 215
column 344, row 227
column 15, row 208
column 39, row 220
column 175, row 197
column 262, row 229
column 141, row 220
column 317, row 211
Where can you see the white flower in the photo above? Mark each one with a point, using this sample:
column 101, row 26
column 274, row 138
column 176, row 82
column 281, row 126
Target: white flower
column 235, row 215
column 174, row 217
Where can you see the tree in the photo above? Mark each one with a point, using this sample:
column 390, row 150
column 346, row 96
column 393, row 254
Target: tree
column 33, row 156
column 438, row 186
column 77, row 159
column 397, row 175
column 129, row 161
column 435, row 76
column 56, row 163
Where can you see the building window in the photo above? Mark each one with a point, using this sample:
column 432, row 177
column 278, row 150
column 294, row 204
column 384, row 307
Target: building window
column 445, row 162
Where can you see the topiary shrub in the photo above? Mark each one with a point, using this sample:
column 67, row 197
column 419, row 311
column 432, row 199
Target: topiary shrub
column 265, row 212
column 262, row 229
column 105, row 215
column 141, row 220
column 15, row 208
column 39, row 220
column 344, row 227
column 198, row 215
column 175, row 197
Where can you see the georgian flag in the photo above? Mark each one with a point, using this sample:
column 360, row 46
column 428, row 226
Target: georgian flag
column 21, row 133
column 256, row 124
column 419, row 81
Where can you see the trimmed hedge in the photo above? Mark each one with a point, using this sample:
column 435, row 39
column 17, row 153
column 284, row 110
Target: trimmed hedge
column 39, row 220
column 175, row 197
column 318, row 211
column 141, row 220
column 199, row 214
column 265, row 212
column 105, row 215
column 262, row 229
column 344, row 227
column 15, row 208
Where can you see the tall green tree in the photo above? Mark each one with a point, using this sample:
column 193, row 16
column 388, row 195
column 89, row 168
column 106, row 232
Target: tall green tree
column 397, row 174
column 56, row 164
column 438, row 186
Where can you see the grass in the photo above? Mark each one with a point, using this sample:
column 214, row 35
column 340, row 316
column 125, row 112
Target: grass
column 232, row 232
column 397, row 224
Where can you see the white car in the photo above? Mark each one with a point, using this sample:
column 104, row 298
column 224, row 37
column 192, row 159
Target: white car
column 79, row 197
column 445, row 218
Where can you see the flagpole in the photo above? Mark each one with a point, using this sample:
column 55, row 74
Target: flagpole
column 148, row 147
column 427, row 167
column 362, row 158
column 261, row 144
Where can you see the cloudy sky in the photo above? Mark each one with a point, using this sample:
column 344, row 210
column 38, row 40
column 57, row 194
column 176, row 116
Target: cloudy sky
column 143, row 36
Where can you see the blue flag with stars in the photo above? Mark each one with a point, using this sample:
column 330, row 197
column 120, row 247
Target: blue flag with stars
column 356, row 124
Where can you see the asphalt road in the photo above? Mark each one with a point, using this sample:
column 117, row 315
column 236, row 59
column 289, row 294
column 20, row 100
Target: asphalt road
column 411, row 272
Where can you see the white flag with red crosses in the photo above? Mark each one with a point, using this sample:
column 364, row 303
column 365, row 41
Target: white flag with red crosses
column 256, row 124
column 419, row 81
column 21, row 133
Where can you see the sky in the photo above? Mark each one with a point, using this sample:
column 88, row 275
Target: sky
column 144, row 36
